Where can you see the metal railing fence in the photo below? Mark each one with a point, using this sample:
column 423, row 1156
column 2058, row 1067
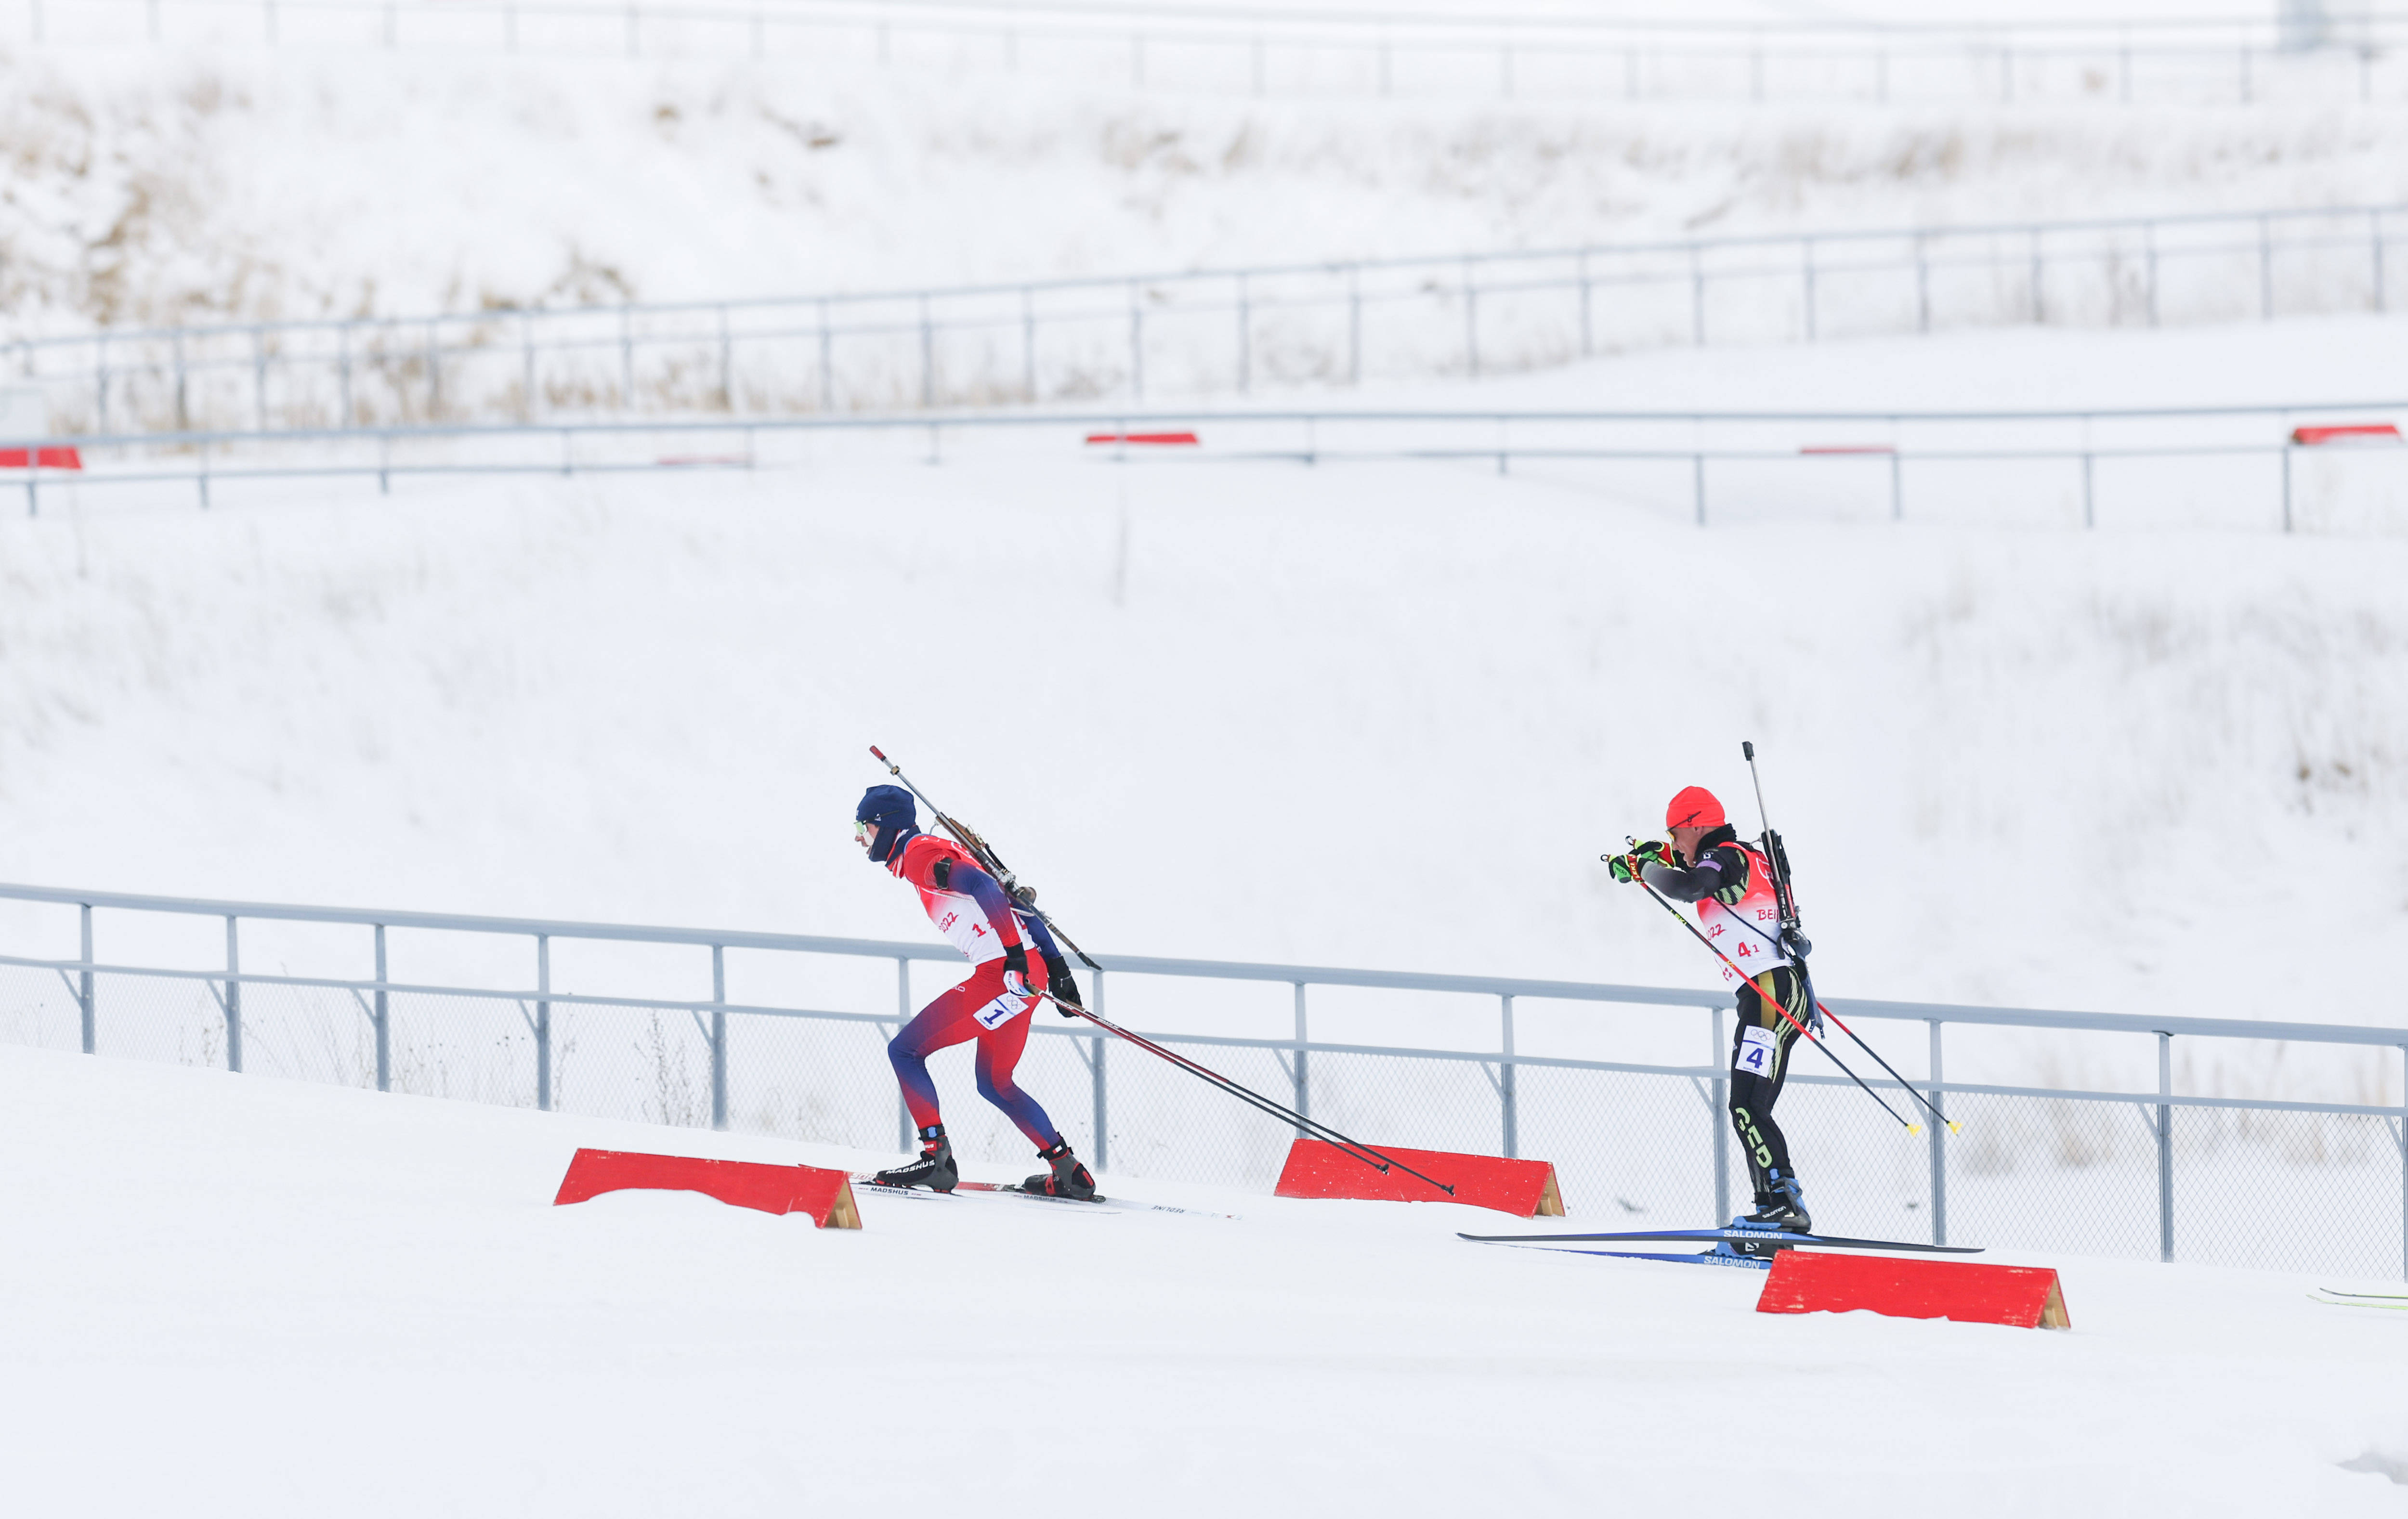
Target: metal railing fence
column 1125, row 338
column 2220, row 467
column 2174, row 1175
column 1303, row 53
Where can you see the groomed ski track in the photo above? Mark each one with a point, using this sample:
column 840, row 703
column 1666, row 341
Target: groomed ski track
column 238, row 1295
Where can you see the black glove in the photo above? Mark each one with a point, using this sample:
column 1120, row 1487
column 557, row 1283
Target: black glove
column 1063, row 990
column 1015, row 970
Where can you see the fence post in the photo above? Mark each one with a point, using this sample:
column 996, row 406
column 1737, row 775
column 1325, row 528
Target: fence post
column 2089, row 513
column 1922, row 287
column 626, row 359
column 1505, row 1083
column 83, row 997
column 1354, row 324
column 1470, row 319
column 2265, row 268
column 383, row 1020
column 1698, row 465
column 2149, row 242
column 100, row 380
column 1029, row 344
column 726, row 365
column 1303, row 1085
column 2039, row 309
column 1137, row 347
column 183, row 411
column 1245, row 337
column 2374, row 235
column 1715, row 1119
column 2165, row 1148
column 910, row 1131
column 1696, row 296
column 1095, row 1073
column 234, row 997
column 1897, row 483
column 719, row 1037
column 1939, row 1152
column 2286, row 485
column 543, row 1023
column 1588, row 344
column 827, row 361
column 927, row 356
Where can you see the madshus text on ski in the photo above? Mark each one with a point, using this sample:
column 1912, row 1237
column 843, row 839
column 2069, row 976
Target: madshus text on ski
column 1740, row 891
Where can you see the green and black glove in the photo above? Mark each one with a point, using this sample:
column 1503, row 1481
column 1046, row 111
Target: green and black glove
column 1626, row 868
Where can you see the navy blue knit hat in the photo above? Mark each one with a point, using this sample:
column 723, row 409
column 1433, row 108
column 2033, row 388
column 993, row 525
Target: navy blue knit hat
column 892, row 809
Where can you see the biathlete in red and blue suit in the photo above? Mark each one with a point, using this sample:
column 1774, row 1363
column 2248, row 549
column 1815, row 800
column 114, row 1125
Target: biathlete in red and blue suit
column 992, row 1007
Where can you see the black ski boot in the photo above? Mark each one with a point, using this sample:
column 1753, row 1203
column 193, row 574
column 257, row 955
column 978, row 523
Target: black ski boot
column 935, row 1169
column 1068, row 1178
column 1783, row 1207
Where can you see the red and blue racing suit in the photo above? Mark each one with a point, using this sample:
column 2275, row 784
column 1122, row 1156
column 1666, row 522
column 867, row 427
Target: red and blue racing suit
column 971, row 910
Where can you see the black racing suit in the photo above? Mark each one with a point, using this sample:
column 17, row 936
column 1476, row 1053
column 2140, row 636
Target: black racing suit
column 1721, row 872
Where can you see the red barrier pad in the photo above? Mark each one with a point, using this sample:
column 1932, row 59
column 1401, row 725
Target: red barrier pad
column 1812, row 1282
column 1156, row 440
column 826, row 1195
column 1524, row 1188
column 2364, row 432
column 40, row 458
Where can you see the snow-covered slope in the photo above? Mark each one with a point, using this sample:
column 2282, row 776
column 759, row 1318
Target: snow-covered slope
column 244, row 1298
column 1376, row 715
column 149, row 190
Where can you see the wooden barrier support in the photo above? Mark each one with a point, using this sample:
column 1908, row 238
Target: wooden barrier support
column 826, row 1195
column 1814, row 1282
column 1524, row 1188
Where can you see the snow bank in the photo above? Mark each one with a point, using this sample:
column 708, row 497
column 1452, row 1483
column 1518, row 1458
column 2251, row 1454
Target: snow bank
column 291, row 1300
column 148, row 190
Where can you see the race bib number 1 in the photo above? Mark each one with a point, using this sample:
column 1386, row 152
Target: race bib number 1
column 1000, row 1011
column 1754, row 1052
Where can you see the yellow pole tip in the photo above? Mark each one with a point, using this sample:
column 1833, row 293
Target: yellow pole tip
column 1956, row 1127
column 1913, row 1128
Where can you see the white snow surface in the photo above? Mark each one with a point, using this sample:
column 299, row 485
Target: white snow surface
column 149, row 189
column 248, row 1297
column 1378, row 715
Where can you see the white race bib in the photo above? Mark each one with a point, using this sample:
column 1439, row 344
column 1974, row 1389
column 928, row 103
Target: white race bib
column 1755, row 1053
column 1002, row 1011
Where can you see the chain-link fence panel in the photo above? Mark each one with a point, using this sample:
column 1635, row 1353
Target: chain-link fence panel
column 310, row 1033
column 816, row 1080
column 2288, row 1191
column 642, row 1064
column 1863, row 1173
column 477, row 1049
column 2053, row 1173
column 38, row 1009
column 1629, row 1149
column 171, row 1019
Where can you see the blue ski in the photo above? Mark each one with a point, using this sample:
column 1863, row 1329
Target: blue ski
column 1778, row 1239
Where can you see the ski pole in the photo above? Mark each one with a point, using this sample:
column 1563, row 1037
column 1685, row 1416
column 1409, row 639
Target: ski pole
column 988, row 860
column 1780, row 858
column 1357, row 1148
column 1774, row 1003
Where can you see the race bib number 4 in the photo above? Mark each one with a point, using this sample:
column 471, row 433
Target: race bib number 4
column 1755, row 1051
